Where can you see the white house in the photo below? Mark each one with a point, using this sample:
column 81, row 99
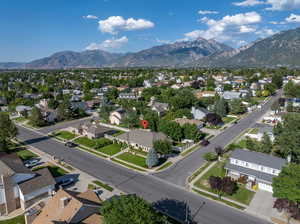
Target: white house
column 117, row 116
column 21, row 187
column 256, row 168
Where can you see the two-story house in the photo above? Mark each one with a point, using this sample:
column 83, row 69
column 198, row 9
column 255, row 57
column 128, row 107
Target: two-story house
column 21, row 187
column 256, row 168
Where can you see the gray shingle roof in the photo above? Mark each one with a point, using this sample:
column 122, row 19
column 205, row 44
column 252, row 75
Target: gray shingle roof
column 246, row 171
column 42, row 179
column 259, row 158
column 11, row 164
column 143, row 137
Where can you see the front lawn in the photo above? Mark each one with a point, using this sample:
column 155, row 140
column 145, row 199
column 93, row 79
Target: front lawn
column 227, row 120
column 54, row 170
column 85, row 141
column 134, row 159
column 242, row 194
column 17, row 220
column 65, row 135
column 110, row 149
column 25, row 154
column 241, row 144
column 254, row 131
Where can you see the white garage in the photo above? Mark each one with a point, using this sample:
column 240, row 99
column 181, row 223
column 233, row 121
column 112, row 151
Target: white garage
column 265, row 187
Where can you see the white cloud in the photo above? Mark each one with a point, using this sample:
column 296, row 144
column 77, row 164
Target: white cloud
column 90, row 17
column 278, row 5
column 247, row 29
column 293, row 18
column 248, row 3
column 207, row 12
column 263, row 33
column 114, row 24
column 108, row 44
column 228, row 27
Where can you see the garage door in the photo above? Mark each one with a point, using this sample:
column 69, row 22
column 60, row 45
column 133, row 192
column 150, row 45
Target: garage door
column 265, row 187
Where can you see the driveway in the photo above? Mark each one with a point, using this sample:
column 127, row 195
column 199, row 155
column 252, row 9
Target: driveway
column 262, row 205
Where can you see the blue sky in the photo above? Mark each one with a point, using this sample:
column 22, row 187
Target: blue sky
column 37, row 28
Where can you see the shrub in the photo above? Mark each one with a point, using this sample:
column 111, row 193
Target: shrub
column 209, row 156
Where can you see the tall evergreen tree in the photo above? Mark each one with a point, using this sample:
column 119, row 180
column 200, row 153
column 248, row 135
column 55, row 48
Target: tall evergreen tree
column 221, row 107
column 8, row 130
column 152, row 158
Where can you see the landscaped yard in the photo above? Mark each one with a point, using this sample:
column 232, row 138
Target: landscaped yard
column 241, row 144
column 20, row 119
column 110, row 149
column 85, row 141
column 134, row 159
column 18, row 220
column 25, row 154
column 254, row 131
column 227, row 120
column 54, row 170
column 242, row 194
column 65, row 135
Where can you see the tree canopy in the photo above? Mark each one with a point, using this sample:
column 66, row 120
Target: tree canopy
column 129, row 209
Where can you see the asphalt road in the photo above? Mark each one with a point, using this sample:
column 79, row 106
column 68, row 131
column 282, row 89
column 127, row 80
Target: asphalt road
column 166, row 196
column 179, row 173
column 165, row 189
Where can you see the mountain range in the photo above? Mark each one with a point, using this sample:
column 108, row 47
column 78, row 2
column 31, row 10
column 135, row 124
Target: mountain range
column 281, row 49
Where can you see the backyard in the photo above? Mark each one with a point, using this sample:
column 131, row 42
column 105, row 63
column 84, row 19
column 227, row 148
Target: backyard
column 242, row 194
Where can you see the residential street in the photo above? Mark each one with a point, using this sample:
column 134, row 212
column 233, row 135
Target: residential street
column 170, row 198
column 161, row 188
column 178, row 173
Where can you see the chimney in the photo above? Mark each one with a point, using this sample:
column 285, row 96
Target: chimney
column 64, row 202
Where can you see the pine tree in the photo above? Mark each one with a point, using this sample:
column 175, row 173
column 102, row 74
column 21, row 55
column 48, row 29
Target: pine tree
column 221, row 107
column 152, row 158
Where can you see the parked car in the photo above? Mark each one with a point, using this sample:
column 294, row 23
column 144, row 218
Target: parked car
column 205, row 143
column 32, row 162
column 65, row 182
column 70, row 144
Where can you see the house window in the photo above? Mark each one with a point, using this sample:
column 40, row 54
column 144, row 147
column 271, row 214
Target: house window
column 261, row 168
column 247, row 164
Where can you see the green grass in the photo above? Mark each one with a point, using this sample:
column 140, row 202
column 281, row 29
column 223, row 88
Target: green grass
column 103, row 185
column 54, row 170
column 218, row 199
column 127, row 165
column 254, row 131
column 110, row 149
column 241, row 144
column 213, row 127
column 166, row 165
column 17, row 220
column 134, row 159
column 199, row 171
column 137, row 151
column 227, row 120
column 85, row 141
column 20, row 119
column 242, row 194
column 65, row 135
column 92, row 151
column 25, row 154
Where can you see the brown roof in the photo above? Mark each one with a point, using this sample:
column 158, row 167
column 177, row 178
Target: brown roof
column 94, row 219
column 42, row 179
column 78, row 207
